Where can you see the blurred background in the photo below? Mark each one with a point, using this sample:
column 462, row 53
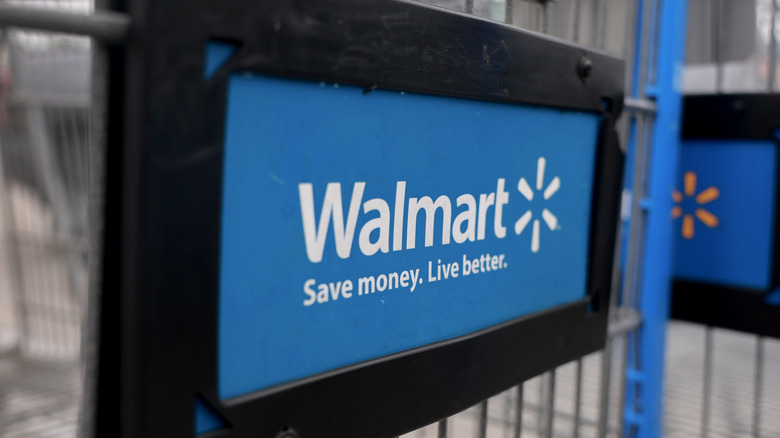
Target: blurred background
column 718, row 383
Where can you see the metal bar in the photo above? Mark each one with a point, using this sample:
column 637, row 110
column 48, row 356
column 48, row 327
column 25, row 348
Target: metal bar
column 601, row 24
column 506, row 422
column 635, row 176
column 577, row 12
column 509, row 11
column 577, row 398
column 651, row 54
column 518, row 412
column 482, row 426
column 772, row 50
column 640, row 105
column 637, row 63
column 71, row 168
column 707, row 384
column 540, row 405
column 48, row 173
column 469, row 7
column 48, row 99
column 546, row 17
column 108, row 27
column 631, row 29
column 97, row 145
column 50, row 290
column 14, row 257
column 20, row 212
column 606, row 373
column 549, row 408
column 622, row 384
column 628, row 319
column 442, row 429
column 759, row 383
column 654, row 299
column 719, row 46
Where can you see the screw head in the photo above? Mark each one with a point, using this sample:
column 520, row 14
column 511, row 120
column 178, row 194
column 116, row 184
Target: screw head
column 287, row 433
column 584, row 67
column 739, row 106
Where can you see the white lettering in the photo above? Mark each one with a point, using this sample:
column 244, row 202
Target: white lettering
column 502, row 198
column 310, row 292
column 469, row 217
column 381, row 223
column 426, row 204
column 331, row 205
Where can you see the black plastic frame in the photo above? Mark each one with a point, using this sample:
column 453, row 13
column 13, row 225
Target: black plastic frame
column 158, row 333
column 724, row 117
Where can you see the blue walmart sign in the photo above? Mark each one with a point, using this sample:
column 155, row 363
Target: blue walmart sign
column 360, row 225
column 725, row 212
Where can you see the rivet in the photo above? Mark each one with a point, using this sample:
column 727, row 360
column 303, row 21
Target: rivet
column 287, row 433
column 584, row 67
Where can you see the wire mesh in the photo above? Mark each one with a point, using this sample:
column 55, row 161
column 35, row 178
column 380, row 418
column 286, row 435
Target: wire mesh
column 732, row 401
column 44, row 185
column 45, row 177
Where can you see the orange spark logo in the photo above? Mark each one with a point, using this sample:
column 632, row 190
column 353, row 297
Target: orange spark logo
column 708, row 195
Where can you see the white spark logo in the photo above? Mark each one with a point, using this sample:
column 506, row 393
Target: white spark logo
column 547, row 216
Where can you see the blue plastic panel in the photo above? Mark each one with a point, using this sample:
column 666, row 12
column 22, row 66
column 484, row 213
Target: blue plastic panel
column 730, row 210
column 320, row 267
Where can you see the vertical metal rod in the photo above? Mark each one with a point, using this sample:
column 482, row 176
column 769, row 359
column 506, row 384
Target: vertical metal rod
column 707, row 384
column 546, row 17
column 76, row 260
column 621, row 390
column 577, row 398
column 482, row 426
column 772, row 50
column 643, row 56
column 540, row 405
column 606, row 372
column 96, row 147
column 518, row 412
column 577, row 12
column 654, row 13
column 635, row 232
column 47, row 265
column 18, row 217
column 442, row 429
column 469, row 7
column 601, row 24
column 68, row 257
column 549, row 409
column 759, row 382
column 506, row 416
column 509, row 11
column 14, row 257
column 636, row 150
column 631, row 39
column 719, row 12
column 47, row 171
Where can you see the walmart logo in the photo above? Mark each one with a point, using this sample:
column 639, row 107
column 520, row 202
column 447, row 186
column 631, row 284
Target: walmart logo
column 550, row 219
column 393, row 226
column 705, row 197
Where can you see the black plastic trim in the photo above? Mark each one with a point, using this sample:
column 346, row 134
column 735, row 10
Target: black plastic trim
column 733, row 308
column 730, row 116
